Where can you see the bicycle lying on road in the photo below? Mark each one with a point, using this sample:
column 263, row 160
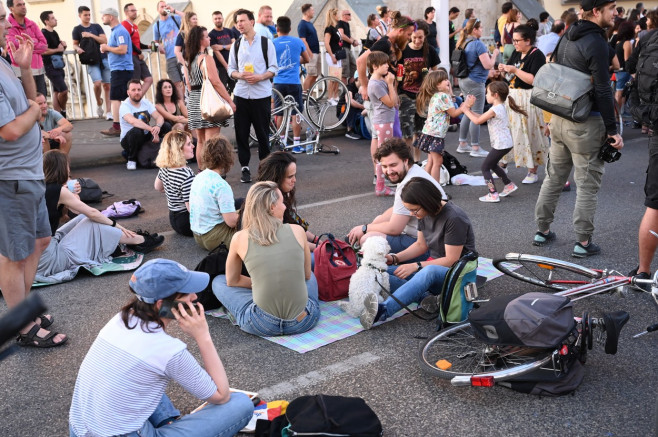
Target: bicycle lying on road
column 455, row 353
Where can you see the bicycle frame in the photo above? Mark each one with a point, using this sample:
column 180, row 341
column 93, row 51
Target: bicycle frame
column 290, row 109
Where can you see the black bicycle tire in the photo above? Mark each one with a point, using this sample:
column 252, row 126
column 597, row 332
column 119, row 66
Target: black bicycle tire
column 468, row 340
column 553, row 263
column 307, row 104
column 276, row 131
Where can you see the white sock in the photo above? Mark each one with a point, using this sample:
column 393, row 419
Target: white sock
column 295, row 141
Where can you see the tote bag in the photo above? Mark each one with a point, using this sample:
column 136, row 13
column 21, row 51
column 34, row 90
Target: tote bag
column 213, row 107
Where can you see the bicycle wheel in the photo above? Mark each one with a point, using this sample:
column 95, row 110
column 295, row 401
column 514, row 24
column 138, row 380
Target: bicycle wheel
column 460, row 354
column 320, row 110
column 278, row 110
column 545, row 272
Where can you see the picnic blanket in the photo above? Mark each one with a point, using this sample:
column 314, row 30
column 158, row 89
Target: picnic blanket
column 335, row 324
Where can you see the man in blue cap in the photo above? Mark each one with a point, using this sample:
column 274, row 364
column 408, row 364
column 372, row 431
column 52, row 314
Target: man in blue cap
column 120, row 389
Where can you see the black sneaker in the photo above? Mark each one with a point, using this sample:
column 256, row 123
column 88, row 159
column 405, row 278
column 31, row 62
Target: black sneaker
column 642, row 275
column 353, row 135
column 246, row 176
column 151, row 241
column 580, row 251
column 541, row 239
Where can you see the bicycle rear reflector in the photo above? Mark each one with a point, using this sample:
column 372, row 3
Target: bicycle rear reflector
column 482, row 381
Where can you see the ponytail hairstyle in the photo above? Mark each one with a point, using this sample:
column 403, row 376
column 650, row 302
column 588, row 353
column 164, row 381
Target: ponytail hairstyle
column 398, row 21
column 428, row 88
column 502, row 89
column 471, row 25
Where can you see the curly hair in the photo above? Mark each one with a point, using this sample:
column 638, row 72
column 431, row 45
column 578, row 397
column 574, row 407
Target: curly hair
column 395, row 146
column 218, row 154
column 193, row 43
column 159, row 98
column 55, row 167
column 274, row 168
column 171, row 149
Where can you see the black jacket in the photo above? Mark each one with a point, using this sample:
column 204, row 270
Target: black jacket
column 585, row 48
column 631, row 62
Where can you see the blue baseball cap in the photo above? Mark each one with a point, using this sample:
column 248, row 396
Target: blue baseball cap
column 161, row 278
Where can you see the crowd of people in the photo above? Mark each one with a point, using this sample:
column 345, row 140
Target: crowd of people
column 411, row 103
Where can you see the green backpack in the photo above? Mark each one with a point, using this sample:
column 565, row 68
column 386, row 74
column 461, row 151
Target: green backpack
column 453, row 302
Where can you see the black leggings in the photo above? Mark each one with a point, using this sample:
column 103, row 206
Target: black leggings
column 180, row 222
column 491, row 164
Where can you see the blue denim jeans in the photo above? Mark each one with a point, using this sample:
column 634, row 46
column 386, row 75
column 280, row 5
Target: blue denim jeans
column 213, row 420
column 239, row 301
column 415, row 288
column 400, row 242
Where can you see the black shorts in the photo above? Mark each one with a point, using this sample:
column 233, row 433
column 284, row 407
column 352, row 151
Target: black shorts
column 141, row 70
column 119, row 84
column 56, row 77
column 651, row 184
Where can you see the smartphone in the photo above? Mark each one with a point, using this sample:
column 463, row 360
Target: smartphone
column 167, row 304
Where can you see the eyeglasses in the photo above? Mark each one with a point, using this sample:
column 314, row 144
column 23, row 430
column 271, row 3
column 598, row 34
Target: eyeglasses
column 414, row 212
column 516, row 41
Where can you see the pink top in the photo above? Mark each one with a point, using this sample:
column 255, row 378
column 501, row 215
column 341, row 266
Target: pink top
column 31, row 28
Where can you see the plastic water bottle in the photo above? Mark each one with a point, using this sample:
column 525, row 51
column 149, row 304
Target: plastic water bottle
column 309, row 137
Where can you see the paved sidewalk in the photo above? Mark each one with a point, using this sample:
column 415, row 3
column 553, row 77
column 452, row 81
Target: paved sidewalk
column 92, row 149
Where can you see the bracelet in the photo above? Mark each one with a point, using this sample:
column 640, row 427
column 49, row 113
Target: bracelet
column 316, row 239
column 114, row 223
column 395, row 259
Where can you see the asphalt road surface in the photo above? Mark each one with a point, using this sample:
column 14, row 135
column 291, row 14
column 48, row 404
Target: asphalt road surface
column 335, row 193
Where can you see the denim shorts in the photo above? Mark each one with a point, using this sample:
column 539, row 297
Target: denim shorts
column 622, row 79
column 24, row 216
column 97, row 74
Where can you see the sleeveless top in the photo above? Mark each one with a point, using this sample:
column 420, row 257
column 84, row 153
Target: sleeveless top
column 176, row 113
column 196, row 74
column 507, row 36
column 54, row 212
column 278, row 283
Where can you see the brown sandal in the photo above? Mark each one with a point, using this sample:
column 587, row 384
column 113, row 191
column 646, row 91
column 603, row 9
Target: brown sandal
column 32, row 339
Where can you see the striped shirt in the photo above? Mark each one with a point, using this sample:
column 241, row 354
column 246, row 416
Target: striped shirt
column 177, row 183
column 125, row 374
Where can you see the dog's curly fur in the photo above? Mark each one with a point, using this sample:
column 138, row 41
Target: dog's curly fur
column 364, row 280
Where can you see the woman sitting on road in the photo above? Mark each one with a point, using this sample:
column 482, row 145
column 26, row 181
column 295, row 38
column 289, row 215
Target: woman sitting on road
column 213, row 215
column 88, row 239
column 175, row 178
column 120, row 388
column 281, row 296
column 170, row 105
column 281, row 168
column 445, row 229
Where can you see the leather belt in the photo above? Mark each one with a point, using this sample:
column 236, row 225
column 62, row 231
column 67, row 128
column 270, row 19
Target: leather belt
column 301, row 316
column 196, row 87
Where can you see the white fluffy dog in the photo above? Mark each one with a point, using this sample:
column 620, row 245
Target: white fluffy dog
column 364, row 280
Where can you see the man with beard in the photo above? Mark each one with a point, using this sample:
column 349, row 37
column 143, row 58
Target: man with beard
column 141, row 70
column 397, row 223
column 136, row 114
column 577, row 145
column 221, row 40
column 165, row 31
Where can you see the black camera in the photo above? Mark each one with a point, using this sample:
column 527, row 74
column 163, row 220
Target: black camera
column 609, row 153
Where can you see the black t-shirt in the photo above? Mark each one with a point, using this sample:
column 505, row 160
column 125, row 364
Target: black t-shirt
column 346, row 28
column 619, row 51
column 451, row 41
column 451, row 226
column 334, row 42
column 384, row 45
column 431, row 38
column 52, row 38
column 530, row 64
column 414, row 61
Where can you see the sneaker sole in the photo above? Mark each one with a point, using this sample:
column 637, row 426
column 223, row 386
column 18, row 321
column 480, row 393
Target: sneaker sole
column 507, row 194
column 463, row 151
column 367, row 317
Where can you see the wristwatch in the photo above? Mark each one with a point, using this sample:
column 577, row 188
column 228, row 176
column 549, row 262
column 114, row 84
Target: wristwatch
column 420, row 266
column 364, row 228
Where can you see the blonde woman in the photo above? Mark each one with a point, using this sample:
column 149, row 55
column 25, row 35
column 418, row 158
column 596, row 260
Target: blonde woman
column 281, row 295
column 189, row 21
column 175, row 178
column 332, row 44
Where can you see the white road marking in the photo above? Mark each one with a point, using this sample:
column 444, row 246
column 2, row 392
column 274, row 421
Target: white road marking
column 278, row 391
column 339, row 199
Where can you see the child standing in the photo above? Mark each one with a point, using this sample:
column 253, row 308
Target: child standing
column 383, row 98
column 499, row 132
column 435, row 89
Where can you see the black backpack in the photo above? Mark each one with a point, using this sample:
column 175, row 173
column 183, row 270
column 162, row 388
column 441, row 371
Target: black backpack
column 92, row 52
column 458, row 61
column 453, row 166
column 644, row 106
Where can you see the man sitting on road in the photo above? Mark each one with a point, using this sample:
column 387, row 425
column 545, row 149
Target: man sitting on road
column 55, row 129
column 135, row 114
column 397, row 223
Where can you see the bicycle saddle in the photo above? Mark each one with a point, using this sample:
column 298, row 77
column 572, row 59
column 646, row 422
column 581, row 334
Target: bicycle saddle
column 613, row 324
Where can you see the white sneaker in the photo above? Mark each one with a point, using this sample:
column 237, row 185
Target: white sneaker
column 131, row 165
column 108, row 116
column 332, row 102
column 509, row 189
column 99, row 111
column 530, row 178
column 464, row 149
column 490, row 198
column 479, row 153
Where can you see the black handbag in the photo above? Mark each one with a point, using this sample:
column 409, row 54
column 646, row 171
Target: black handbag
column 340, row 54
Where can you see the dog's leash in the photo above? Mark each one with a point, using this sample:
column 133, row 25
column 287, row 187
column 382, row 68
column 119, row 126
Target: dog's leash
column 432, row 314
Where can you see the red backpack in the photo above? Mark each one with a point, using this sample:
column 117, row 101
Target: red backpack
column 335, row 263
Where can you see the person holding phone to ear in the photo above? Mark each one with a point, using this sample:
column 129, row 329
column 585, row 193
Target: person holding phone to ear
column 120, row 389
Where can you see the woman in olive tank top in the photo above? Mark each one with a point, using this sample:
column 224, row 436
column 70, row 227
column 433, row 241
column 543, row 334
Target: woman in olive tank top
column 280, row 297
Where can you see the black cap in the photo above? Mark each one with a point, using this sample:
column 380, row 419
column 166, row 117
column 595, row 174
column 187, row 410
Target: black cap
column 588, row 5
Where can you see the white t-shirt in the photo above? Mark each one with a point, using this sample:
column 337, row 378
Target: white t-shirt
column 415, row 171
column 142, row 112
